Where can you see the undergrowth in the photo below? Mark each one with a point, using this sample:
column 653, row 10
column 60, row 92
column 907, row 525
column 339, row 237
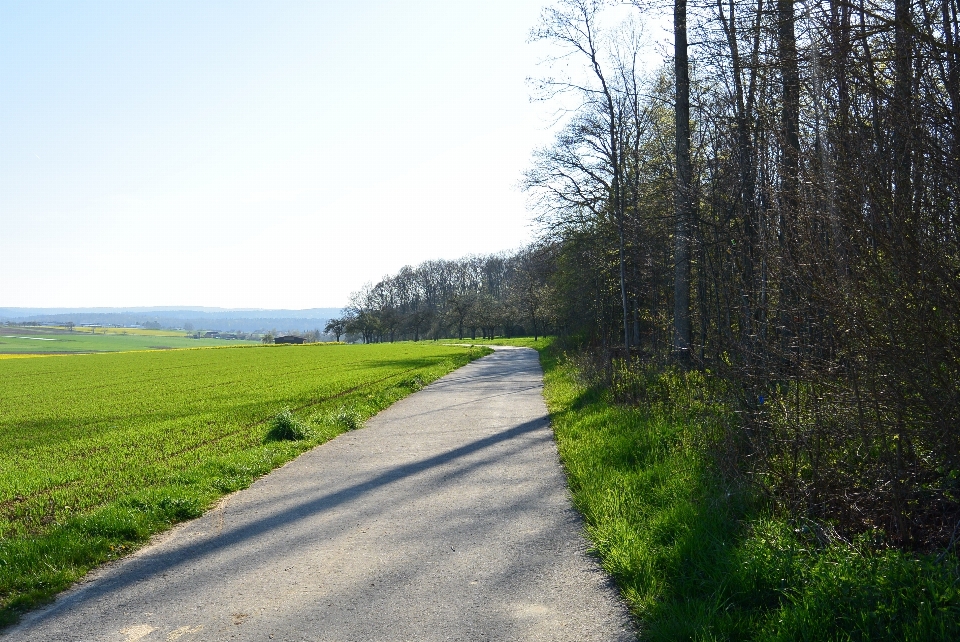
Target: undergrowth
column 698, row 556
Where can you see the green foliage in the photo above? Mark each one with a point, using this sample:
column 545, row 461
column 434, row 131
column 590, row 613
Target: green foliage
column 101, row 451
column 698, row 557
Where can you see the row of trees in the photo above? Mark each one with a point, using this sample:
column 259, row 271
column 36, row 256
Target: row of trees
column 500, row 294
column 779, row 206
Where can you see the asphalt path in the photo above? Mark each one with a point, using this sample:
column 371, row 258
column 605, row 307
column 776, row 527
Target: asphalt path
column 446, row 518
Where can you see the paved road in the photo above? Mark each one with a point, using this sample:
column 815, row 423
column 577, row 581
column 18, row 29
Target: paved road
column 446, row 518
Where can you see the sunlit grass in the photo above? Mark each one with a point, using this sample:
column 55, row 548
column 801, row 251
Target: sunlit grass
column 100, row 451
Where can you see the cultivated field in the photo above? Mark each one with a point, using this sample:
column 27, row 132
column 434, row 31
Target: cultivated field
column 19, row 340
column 101, row 450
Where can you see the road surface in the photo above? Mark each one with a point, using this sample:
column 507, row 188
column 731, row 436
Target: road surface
column 446, row 518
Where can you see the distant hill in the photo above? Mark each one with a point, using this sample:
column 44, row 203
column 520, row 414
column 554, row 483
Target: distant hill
column 198, row 318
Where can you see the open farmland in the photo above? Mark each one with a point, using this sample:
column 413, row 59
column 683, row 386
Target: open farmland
column 100, row 451
column 20, row 340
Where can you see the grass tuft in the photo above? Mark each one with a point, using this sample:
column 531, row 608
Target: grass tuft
column 344, row 418
column 285, row 427
column 348, row 419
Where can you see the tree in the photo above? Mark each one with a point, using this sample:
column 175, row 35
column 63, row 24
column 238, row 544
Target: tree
column 459, row 308
column 336, row 327
column 574, row 25
column 794, row 200
column 365, row 324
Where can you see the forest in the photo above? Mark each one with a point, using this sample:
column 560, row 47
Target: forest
column 776, row 208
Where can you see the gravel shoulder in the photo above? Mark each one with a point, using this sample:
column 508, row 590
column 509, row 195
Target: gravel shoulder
column 446, row 518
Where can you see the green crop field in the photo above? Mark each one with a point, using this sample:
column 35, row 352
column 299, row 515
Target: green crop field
column 19, row 340
column 102, row 450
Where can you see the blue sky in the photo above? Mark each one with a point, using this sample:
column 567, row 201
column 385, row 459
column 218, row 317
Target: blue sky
column 257, row 154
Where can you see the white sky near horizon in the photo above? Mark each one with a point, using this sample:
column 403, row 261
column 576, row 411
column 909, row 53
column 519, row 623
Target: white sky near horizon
column 257, row 154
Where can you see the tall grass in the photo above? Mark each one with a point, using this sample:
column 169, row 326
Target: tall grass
column 699, row 556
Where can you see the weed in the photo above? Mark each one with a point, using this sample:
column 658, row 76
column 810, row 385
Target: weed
column 348, row 419
column 413, row 383
column 284, row 426
column 342, row 418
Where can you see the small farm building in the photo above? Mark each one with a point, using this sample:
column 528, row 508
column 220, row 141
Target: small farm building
column 289, row 339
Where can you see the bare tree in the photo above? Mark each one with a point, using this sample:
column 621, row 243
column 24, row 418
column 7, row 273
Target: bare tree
column 574, row 25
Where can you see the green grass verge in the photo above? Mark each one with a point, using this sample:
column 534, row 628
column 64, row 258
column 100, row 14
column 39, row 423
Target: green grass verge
column 102, row 451
column 697, row 559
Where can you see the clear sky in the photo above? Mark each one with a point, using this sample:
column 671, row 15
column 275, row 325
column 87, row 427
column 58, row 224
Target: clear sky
column 257, row 154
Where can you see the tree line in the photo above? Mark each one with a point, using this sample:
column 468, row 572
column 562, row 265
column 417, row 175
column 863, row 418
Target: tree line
column 777, row 206
column 503, row 294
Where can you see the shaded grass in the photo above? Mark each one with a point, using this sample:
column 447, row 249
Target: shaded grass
column 198, row 430
column 699, row 558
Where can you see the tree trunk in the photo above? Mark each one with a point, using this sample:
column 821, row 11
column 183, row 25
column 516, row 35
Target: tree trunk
column 745, row 162
column 903, row 120
column 790, row 78
column 950, row 28
column 790, row 168
column 684, row 189
column 623, row 293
